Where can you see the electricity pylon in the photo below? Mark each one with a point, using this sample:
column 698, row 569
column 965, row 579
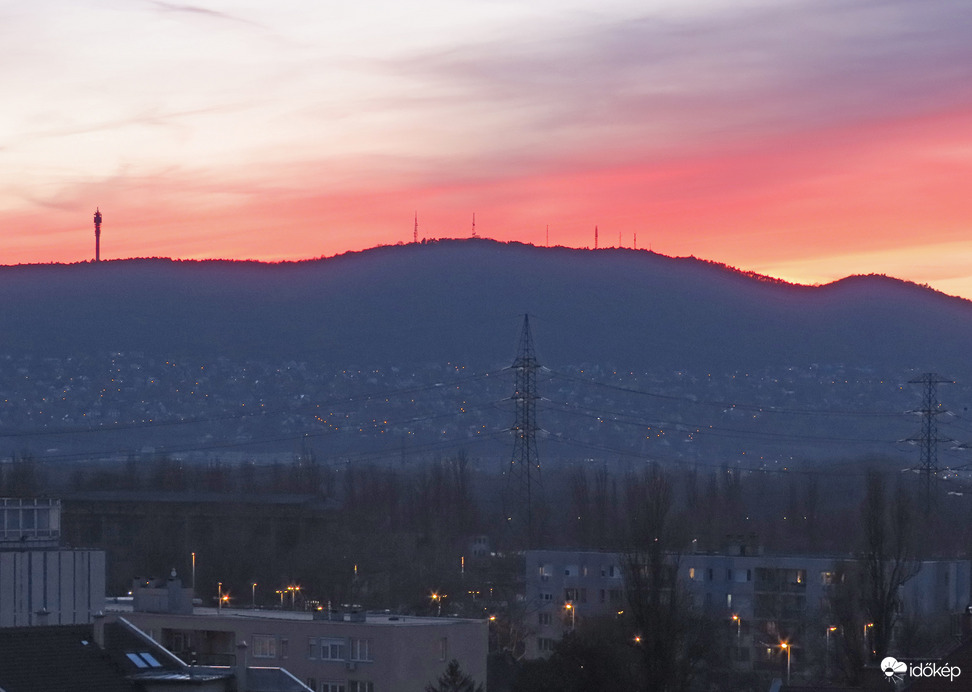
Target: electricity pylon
column 523, row 484
column 928, row 438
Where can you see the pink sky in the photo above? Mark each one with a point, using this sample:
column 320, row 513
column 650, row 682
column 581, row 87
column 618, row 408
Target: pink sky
column 807, row 140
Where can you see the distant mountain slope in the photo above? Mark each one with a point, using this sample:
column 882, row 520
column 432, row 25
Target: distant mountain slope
column 462, row 301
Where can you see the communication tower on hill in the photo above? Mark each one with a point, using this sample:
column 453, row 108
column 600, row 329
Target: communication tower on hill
column 97, row 223
column 523, row 484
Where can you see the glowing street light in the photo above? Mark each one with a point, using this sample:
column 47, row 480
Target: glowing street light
column 569, row 605
column 786, row 647
column 253, row 593
column 830, row 631
column 735, row 618
column 436, row 598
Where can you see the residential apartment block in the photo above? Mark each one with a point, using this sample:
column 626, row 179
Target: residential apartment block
column 329, row 652
column 763, row 598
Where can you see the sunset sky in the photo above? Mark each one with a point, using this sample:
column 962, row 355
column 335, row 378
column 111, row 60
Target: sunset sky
column 804, row 139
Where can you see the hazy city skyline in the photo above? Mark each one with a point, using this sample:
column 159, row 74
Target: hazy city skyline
column 803, row 140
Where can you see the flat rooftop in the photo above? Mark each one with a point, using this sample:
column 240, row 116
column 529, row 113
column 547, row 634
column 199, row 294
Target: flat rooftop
column 373, row 619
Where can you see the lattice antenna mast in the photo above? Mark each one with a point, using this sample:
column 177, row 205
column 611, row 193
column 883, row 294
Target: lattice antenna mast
column 523, row 483
column 928, row 438
column 415, row 230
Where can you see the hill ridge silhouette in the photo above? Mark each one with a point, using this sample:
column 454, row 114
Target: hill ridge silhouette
column 463, row 300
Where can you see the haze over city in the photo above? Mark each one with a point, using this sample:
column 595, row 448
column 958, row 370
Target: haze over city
column 803, row 140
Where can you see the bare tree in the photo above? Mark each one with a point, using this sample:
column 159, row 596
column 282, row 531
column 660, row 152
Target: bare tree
column 669, row 634
column 888, row 561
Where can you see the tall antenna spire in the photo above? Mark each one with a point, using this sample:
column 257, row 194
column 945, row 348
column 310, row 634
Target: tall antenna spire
column 415, row 231
column 474, row 226
column 97, row 223
column 595, row 237
column 523, row 487
column 636, row 240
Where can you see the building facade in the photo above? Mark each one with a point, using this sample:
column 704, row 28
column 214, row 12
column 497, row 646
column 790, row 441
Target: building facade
column 338, row 652
column 42, row 583
column 763, row 599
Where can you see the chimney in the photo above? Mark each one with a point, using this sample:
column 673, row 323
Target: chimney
column 99, row 629
column 241, row 685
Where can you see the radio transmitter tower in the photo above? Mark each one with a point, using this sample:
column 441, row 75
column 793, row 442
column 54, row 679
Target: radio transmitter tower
column 523, row 487
column 97, row 223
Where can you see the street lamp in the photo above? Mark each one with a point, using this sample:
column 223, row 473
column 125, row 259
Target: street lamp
column 786, row 647
column 253, row 593
column 735, row 618
column 436, row 598
column 830, row 630
column 219, row 597
column 569, row 605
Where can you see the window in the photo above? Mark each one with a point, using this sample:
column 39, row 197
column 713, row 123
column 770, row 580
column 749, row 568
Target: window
column 729, row 601
column 361, row 686
column 546, row 644
column 543, row 618
column 729, row 575
column 331, row 649
column 691, row 573
column 327, row 686
column 570, row 571
column 443, row 648
column 361, row 650
column 312, row 683
column 546, row 596
column 545, row 572
column 264, row 646
column 826, row 578
column 313, row 649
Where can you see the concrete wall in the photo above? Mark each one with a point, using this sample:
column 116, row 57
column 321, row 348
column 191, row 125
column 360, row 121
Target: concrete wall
column 51, row 587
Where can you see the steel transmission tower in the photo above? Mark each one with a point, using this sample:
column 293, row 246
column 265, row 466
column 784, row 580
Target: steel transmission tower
column 523, row 486
column 928, row 438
